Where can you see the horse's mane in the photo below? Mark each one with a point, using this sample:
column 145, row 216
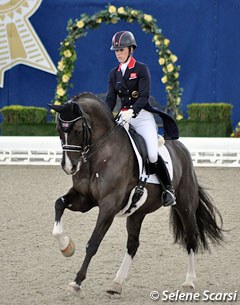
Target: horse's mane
column 85, row 95
column 88, row 99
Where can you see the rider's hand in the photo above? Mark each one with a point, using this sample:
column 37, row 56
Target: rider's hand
column 126, row 115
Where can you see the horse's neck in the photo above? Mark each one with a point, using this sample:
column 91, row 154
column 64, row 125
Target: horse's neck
column 100, row 118
column 102, row 124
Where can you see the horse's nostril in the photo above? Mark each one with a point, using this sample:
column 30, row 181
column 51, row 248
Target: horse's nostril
column 74, row 169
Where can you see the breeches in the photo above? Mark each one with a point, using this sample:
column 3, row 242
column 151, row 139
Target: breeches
column 145, row 125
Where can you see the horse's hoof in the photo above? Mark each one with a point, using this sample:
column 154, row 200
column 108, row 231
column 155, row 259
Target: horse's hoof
column 115, row 288
column 69, row 250
column 74, row 289
column 188, row 284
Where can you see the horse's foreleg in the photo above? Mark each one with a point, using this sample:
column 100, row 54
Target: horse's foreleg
column 104, row 221
column 65, row 244
column 133, row 228
column 75, row 202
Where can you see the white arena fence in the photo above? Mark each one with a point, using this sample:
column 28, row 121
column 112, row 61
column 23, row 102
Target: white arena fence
column 47, row 151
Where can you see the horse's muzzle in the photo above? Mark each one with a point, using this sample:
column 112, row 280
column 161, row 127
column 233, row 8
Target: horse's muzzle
column 70, row 167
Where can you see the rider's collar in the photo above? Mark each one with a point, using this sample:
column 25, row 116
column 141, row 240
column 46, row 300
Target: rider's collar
column 131, row 63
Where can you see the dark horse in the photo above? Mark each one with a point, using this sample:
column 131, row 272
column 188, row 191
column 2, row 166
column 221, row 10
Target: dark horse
column 98, row 154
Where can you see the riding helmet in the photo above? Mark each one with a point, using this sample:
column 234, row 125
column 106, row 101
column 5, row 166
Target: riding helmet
column 122, row 40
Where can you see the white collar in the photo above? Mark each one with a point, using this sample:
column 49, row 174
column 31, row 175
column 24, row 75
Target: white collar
column 124, row 66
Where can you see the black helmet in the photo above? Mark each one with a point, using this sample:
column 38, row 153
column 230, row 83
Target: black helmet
column 122, row 40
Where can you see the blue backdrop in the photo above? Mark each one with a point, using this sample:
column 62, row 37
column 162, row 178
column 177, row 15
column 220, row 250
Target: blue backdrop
column 204, row 34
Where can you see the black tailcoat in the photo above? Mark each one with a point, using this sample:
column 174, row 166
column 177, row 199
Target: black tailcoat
column 134, row 91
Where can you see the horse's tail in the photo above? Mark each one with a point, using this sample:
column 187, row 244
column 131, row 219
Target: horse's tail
column 206, row 218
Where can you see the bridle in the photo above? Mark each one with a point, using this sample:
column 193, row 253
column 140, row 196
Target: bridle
column 66, row 126
column 84, row 149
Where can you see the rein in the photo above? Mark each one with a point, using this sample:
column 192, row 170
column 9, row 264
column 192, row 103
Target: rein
column 103, row 140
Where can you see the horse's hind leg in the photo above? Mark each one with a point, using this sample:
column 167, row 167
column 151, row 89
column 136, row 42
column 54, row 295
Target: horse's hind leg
column 191, row 246
column 134, row 224
column 191, row 275
column 185, row 230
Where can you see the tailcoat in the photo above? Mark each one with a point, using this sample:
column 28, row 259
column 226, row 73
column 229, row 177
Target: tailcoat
column 133, row 90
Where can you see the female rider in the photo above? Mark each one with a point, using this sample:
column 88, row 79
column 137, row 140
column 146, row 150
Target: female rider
column 131, row 82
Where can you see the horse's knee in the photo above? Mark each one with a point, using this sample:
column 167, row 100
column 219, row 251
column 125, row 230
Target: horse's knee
column 59, row 207
column 60, row 203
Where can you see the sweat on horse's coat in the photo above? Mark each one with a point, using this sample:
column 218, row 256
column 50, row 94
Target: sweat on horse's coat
column 104, row 171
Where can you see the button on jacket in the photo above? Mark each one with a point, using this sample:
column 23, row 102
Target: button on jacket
column 136, row 81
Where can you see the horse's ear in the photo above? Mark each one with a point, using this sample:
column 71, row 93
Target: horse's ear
column 57, row 108
column 76, row 109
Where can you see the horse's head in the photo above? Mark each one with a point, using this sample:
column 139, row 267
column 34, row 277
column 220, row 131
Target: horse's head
column 73, row 126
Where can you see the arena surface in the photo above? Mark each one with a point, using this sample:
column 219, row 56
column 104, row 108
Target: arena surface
column 34, row 272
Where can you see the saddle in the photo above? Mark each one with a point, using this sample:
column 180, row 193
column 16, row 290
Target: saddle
column 146, row 174
column 142, row 150
column 141, row 147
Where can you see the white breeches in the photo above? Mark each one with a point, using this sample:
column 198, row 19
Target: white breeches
column 145, row 125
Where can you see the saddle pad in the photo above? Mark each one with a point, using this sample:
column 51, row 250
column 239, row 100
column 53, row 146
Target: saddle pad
column 162, row 151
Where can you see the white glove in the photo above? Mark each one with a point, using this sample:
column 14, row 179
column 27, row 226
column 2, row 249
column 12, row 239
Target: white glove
column 126, row 115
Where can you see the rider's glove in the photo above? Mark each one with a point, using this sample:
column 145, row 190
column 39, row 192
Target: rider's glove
column 126, row 115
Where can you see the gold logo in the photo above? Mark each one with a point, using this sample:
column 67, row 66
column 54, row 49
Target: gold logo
column 135, row 94
column 19, row 43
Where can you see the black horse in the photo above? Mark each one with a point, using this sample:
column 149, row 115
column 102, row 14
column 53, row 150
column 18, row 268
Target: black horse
column 98, row 154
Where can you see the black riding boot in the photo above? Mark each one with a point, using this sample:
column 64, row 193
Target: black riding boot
column 168, row 197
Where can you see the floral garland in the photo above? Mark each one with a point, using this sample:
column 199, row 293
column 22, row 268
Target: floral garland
column 112, row 15
column 236, row 132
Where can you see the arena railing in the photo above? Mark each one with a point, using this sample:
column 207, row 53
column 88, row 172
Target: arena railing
column 47, row 151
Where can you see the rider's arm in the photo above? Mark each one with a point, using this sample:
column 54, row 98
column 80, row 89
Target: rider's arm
column 111, row 97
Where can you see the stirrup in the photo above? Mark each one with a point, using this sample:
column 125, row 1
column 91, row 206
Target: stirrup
column 169, row 199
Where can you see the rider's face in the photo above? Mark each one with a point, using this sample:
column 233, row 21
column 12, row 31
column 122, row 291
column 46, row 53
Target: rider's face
column 122, row 55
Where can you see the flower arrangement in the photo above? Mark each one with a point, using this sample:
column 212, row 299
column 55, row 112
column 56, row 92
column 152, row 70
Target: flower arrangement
column 112, row 15
column 236, row 132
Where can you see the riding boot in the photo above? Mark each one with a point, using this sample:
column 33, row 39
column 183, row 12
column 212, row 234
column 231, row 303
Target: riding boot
column 168, row 197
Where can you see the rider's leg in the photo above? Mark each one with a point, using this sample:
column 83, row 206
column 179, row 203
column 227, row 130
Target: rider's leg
column 145, row 125
column 168, row 197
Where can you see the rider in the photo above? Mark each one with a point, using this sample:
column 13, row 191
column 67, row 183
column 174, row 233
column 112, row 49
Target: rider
column 131, row 82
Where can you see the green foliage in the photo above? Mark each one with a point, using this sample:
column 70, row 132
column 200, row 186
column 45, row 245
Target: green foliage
column 43, row 130
column 112, row 15
column 236, row 132
column 209, row 112
column 15, row 114
column 188, row 128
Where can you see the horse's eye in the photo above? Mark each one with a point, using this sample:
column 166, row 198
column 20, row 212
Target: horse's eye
column 77, row 131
